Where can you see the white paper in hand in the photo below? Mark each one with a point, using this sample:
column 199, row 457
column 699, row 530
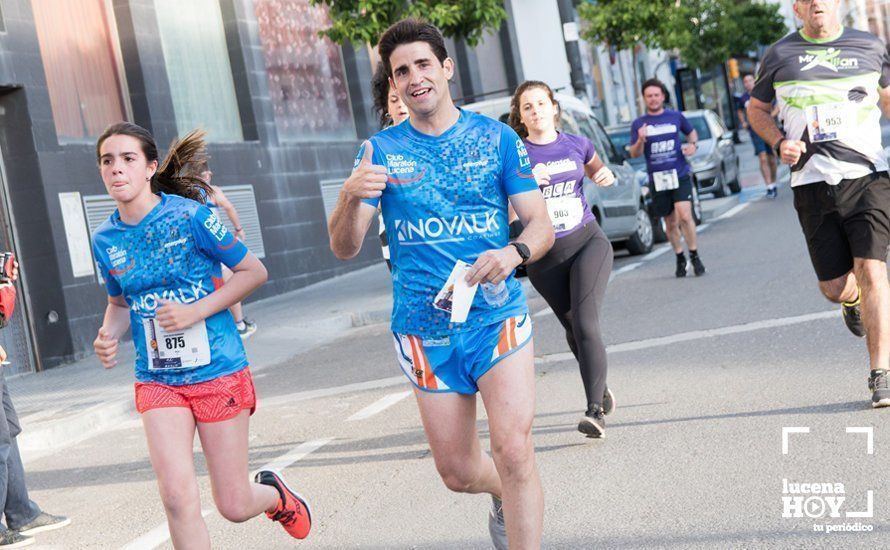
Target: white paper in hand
column 456, row 296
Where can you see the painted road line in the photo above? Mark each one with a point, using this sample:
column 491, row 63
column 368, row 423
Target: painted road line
column 700, row 334
column 546, row 311
column 379, row 406
column 656, row 253
column 280, row 400
column 733, row 211
column 624, row 269
column 297, row 453
column 156, row 537
column 161, row 534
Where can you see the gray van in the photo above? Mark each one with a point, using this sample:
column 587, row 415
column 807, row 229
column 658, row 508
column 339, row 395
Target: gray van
column 620, row 208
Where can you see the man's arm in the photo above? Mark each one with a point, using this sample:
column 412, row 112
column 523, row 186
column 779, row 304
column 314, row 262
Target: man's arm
column 351, row 218
column 885, row 101
column 638, row 146
column 493, row 266
column 760, row 116
column 743, row 122
column 761, row 119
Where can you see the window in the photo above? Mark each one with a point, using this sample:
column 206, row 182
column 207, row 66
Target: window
column 308, row 89
column 700, row 125
column 197, row 60
column 79, row 50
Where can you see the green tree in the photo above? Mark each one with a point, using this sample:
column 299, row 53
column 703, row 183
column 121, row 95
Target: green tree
column 361, row 21
column 703, row 32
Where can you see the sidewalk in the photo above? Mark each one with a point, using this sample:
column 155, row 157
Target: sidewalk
column 64, row 405
column 68, row 404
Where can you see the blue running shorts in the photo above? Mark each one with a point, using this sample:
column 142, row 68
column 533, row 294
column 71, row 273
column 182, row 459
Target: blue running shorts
column 454, row 363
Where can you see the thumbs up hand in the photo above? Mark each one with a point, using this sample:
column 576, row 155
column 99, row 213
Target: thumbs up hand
column 106, row 348
column 367, row 180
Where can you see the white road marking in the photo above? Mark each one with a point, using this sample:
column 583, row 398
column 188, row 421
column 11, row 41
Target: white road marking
column 378, row 406
column 624, row 269
column 156, row 537
column 733, row 211
column 656, row 253
column 297, row 453
column 700, row 334
column 545, row 311
column 161, row 534
column 290, row 398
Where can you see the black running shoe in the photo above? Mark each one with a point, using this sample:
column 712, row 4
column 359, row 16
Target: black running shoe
column 853, row 317
column 697, row 267
column 880, row 388
column 681, row 265
column 593, row 424
column 608, row 401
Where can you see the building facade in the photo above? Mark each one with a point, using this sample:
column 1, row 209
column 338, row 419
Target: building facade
column 284, row 111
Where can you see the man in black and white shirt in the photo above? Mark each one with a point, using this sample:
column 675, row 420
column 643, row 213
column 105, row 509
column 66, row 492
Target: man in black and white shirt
column 828, row 83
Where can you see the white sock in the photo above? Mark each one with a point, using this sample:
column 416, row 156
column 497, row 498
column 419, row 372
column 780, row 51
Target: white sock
column 240, row 324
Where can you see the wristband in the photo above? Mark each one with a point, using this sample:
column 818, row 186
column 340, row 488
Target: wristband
column 237, row 229
column 777, row 146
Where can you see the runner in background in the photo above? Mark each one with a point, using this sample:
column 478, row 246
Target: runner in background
column 764, row 152
column 159, row 254
column 216, row 199
column 656, row 135
column 391, row 111
column 573, row 276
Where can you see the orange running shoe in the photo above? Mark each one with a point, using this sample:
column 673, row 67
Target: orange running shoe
column 292, row 511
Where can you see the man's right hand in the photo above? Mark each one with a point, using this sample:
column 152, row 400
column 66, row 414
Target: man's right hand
column 367, row 180
column 791, row 149
column 106, row 348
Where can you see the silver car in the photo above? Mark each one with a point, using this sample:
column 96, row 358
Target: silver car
column 620, row 208
column 715, row 163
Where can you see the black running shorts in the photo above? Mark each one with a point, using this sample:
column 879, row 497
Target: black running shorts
column 844, row 221
column 663, row 201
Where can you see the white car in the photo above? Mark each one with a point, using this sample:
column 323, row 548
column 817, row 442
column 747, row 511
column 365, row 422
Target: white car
column 620, row 208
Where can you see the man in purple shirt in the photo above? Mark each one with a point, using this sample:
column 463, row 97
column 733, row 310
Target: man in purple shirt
column 657, row 135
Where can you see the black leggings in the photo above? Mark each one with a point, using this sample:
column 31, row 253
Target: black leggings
column 572, row 277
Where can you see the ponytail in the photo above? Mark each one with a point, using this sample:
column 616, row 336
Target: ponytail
column 173, row 176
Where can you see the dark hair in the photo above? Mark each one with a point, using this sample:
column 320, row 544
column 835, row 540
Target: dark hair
column 172, row 176
column 747, row 74
column 380, row 93
column 515, row 118
column 407, row 31
column 654, row 82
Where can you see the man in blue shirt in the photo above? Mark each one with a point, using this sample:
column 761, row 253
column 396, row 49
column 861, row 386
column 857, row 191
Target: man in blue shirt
column 443, row 179
column 657, row 135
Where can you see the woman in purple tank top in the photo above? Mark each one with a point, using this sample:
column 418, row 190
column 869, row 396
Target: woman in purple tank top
column 572, row 277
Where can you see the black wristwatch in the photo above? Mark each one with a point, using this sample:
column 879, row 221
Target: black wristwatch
column 523, row 251
column 777, row 146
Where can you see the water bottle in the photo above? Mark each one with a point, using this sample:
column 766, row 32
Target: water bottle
column 495, row 294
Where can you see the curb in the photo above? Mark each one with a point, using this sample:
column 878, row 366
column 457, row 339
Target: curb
column 68, row 431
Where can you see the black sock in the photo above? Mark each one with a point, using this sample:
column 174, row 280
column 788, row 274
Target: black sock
column 680, row 256
column 693, row 253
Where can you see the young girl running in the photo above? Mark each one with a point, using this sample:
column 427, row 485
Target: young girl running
column 572, row 277
column 159, row 254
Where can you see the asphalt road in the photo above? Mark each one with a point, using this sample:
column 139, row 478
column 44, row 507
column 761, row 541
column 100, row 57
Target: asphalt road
column 707, row 372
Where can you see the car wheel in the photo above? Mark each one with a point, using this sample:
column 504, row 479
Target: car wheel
column 697, row 212
column 659, row 230
column 720, row 188
column 640, row 242
column 735, row 186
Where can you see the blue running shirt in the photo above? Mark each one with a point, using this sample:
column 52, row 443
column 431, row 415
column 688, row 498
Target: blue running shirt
column 174, row 254
column 446, row 200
